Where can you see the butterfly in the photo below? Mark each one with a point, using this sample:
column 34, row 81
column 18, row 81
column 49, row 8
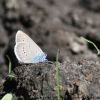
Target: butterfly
column 26, row 50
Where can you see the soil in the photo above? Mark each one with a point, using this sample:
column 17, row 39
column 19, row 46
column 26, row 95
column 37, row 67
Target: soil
column 53, row 25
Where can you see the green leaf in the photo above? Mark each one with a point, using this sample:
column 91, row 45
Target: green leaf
column 8, row 96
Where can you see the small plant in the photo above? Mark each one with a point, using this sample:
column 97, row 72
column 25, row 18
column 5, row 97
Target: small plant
column 57, row 76
column 10, row 74
column 7, row 96
column 98, row 51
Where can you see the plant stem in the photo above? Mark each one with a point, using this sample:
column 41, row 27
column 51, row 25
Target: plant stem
column 98, row 51
column 57, row 76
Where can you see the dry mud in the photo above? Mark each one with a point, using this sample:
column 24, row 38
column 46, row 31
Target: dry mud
column 52, row 24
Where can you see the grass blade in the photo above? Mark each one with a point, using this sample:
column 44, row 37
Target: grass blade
column 57, row 76
column 98, row 51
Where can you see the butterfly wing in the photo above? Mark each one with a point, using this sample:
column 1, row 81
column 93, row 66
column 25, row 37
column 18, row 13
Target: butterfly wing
column 28, row 53
column 26, row 50
column 21, row 37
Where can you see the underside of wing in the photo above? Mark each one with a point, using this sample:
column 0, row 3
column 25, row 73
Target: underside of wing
column 25, row 52
column 21, row 37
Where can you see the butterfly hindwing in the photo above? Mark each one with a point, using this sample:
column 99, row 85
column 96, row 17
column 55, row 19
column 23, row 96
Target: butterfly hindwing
column 26, row 54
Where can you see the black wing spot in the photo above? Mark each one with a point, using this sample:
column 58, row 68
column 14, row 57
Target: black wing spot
column 24, row 51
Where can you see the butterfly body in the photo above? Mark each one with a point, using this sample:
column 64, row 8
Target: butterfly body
column 26, row 50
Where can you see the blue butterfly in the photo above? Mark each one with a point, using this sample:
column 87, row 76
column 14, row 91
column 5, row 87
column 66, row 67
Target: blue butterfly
column 26, row 50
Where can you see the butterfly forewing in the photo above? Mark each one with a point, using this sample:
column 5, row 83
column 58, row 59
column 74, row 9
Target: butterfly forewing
column 21, row 37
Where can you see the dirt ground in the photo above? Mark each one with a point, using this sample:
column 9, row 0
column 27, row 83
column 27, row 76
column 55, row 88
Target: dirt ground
column 52, row 24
